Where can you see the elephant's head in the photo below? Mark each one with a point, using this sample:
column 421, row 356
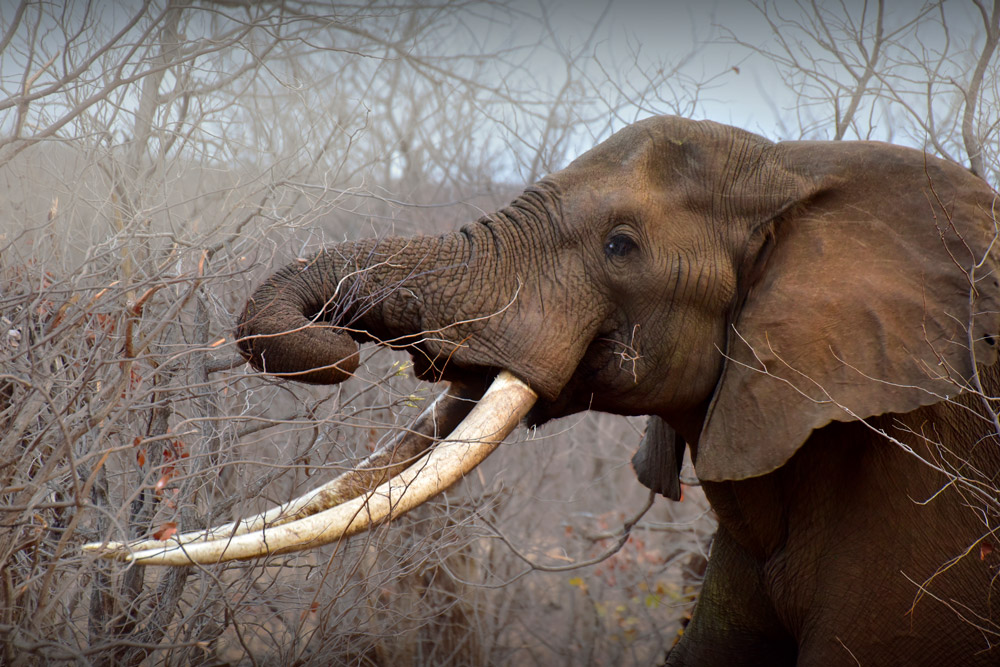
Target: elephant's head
column 742, row 291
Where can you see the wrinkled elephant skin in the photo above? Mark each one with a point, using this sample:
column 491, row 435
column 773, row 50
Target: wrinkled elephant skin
column 816, row 321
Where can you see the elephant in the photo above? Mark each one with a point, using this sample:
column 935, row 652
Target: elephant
column 816, row 322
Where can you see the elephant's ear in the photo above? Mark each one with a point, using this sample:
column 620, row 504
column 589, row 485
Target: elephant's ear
column 658, row 461
column 877, row 296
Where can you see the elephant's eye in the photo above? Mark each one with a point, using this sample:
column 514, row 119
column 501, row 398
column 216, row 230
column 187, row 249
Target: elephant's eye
column 619, row 245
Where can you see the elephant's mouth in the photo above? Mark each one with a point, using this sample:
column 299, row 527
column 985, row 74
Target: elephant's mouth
column 476, row 379
column 472, row 363
column 398, row 477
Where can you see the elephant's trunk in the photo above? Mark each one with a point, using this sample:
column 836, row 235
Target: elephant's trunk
column 302, row 323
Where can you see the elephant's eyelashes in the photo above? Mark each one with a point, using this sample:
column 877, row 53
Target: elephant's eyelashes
column 619, row 245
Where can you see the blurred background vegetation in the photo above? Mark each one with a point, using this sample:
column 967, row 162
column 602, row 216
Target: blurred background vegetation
column 158, row 159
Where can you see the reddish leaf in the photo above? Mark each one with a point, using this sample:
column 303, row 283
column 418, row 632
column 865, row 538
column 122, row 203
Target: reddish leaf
column 180, row 451
column 140, row 457
column 985, row 549
column 161, row 483
column 165, row 531
column 175, row 450
column 313, row 608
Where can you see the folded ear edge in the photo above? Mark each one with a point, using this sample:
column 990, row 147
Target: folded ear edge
column 903, row 324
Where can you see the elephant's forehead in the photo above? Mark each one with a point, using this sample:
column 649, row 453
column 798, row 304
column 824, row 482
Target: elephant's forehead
column 605, row 193
column 612, row 179
column 621, row 158
column 630, row 187
column 653, row 158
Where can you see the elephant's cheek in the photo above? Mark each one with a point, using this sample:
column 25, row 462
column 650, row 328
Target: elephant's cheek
column 541, row 353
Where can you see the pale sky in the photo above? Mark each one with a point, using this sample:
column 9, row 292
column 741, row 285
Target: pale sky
column 746, row 88
column 672, row 32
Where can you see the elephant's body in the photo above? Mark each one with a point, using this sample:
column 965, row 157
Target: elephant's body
column 813, row 318
column 855, row 552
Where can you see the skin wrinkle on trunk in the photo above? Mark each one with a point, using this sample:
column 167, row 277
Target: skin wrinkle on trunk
column 293, row 334
column 355, row 288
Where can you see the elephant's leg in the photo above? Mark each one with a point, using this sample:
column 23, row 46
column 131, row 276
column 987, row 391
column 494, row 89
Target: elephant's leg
column 734, row 622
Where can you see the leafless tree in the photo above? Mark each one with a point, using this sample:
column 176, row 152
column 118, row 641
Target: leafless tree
column 157, row 160
column 920, row 74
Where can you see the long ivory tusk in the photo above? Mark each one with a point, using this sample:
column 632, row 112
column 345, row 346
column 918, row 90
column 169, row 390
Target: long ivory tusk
column 442, row 415
column 494, row 417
